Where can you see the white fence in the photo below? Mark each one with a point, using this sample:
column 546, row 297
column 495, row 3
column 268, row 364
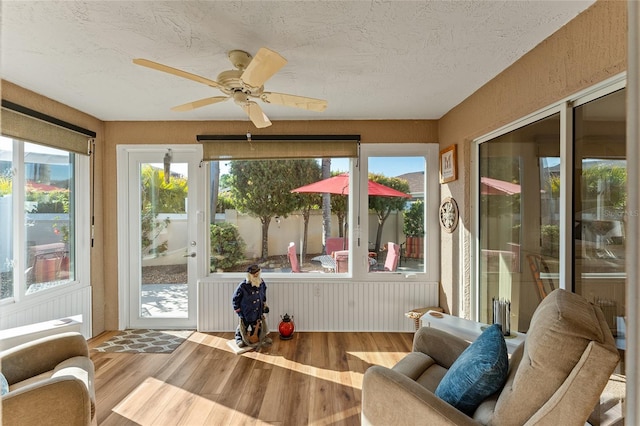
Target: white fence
column 282, row 231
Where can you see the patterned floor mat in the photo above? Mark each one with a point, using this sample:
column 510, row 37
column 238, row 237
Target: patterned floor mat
column 145, row 341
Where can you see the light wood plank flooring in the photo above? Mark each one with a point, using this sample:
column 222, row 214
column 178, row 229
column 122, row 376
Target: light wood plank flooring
column 312, row 379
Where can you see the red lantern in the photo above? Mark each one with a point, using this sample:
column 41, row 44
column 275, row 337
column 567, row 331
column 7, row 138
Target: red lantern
column 286, row 327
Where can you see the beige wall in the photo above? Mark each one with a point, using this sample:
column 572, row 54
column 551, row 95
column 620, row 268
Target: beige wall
column 185, row 132
column 588, row 50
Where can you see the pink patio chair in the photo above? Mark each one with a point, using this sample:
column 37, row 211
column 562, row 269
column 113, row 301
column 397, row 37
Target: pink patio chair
column 393, row 255
column 334, row 244
column 293, row 258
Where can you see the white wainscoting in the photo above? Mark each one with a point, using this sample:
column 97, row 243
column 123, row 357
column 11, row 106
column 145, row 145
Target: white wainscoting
column 322, row 306
column 52, row 306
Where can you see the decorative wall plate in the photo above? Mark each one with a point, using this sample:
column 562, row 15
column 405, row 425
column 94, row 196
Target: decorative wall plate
column 449, row 214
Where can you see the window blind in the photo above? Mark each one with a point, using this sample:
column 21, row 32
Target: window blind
column 269, row 147
column 26, row 124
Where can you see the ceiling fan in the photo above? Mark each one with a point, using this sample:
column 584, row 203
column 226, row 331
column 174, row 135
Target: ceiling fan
column 243, row 84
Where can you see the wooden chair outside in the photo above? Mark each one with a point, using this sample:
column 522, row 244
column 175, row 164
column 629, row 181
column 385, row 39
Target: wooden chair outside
column 538, row 266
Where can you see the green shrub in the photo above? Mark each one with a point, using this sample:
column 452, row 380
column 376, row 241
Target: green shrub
column 414, row 220
column 227, row 247
column 550, row 240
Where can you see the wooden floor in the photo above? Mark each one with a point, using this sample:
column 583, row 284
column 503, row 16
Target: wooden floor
column 312, row 379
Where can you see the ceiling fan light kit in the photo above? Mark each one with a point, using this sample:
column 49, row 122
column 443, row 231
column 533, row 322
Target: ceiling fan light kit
column 244, row 84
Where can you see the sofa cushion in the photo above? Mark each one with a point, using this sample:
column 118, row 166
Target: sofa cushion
column 479, row 371
column 422, row 368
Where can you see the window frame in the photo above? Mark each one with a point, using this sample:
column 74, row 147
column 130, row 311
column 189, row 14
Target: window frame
column 82, row 212
column 430, row 152
column 565, row 109
column 358, row 172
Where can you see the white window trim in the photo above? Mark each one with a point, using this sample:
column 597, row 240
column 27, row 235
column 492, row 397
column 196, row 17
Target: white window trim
column 564, row 107
column 82, row 259
column 432, row 202
column 359, row 270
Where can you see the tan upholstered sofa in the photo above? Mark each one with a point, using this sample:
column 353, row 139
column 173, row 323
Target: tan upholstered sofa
column 50, row 382
column 554, row 378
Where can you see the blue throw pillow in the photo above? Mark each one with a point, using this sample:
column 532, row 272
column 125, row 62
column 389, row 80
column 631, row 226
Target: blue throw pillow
column 4, row 385
column 479, row 372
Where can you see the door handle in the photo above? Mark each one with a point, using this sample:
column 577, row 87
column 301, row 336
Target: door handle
column 190, row 254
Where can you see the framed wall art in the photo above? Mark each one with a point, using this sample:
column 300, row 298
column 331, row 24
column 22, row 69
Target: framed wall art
column 448, row 164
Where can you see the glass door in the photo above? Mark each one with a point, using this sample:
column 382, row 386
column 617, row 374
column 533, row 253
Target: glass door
column 164, row 244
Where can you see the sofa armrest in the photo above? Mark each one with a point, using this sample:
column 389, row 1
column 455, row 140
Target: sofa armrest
column 41, row 355
column 61, row 400
column 389, row 397
column 443, row 347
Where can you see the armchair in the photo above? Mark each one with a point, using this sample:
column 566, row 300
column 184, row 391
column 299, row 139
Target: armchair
column 50, row 382
column 555, row 377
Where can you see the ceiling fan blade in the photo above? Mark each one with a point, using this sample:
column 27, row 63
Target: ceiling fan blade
column 164, row 68
column 199, row 103
column 294, row 101
column 262, row 67
column 257, row 117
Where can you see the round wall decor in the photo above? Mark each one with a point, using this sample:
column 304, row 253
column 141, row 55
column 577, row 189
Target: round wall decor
column 449, row 214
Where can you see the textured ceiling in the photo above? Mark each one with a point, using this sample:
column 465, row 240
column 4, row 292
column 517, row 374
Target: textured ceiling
column 368, row 59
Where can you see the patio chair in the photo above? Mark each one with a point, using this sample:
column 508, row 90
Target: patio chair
column 334, row 244
column 393, row 256
column 537, row 266
column 293, row 257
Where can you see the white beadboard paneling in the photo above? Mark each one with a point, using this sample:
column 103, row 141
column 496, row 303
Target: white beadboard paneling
column 323, row 306
column 56, row 305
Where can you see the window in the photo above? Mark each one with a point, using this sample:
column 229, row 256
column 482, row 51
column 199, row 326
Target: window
column 522, row 230
column 307, row 215
column 600, row 205
column 519, row 186
column 396, row 215
column 402, row 237
column 39, row 210
column 264, row 212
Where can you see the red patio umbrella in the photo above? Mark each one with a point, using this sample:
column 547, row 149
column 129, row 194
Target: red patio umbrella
column 490, row 186
column 339, row 184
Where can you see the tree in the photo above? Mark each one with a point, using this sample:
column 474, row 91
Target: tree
column 604, row 181
column 413, row 225
column 326, row 202
column 166, row 197
column 157, row 196
column 304, row 172
column 383, row 206
column 215, row 188
column 339, row 208
column 262, row 189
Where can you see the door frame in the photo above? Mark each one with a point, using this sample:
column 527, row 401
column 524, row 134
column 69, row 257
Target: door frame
column 197, row 266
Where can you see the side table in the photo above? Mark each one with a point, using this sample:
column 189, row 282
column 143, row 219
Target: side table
column 466, row 329
column 416, row 314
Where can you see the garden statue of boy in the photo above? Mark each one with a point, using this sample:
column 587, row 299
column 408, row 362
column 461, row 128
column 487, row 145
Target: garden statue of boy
column 250, row 303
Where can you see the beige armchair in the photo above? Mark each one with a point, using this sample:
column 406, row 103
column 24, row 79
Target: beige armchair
column 554, row 378
column 50, row 382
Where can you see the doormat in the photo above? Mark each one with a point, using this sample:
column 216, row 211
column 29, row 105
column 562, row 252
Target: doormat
column 145, row 341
